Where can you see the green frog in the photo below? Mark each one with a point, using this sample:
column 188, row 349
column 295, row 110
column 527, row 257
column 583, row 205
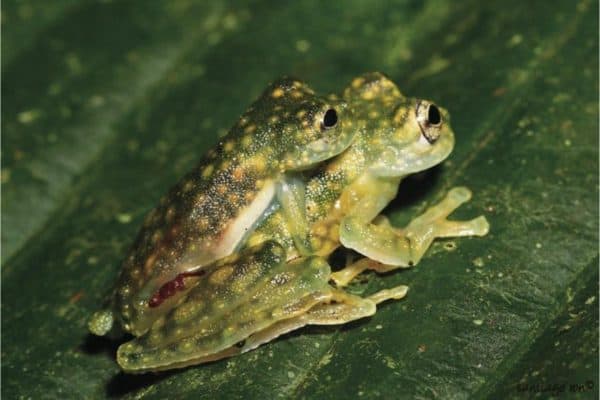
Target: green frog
column 279, row 280
column 210, row 212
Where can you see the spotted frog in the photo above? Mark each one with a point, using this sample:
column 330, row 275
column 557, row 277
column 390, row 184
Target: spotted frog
column 280, row 279
column 211, row 211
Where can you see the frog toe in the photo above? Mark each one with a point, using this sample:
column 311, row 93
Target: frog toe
column 459, row 194
column 101, row 322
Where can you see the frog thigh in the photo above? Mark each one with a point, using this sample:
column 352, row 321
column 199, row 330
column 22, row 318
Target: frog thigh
column 231, row 302
column 405, row 247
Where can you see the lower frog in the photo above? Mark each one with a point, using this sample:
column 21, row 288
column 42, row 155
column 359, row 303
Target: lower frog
column 281, row 280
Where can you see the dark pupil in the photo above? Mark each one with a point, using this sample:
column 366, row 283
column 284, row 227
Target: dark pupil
column 330, row 119
column 433, row 115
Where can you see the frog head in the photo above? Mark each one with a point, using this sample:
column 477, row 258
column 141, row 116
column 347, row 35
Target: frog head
column 403, row 135
column 303, row 128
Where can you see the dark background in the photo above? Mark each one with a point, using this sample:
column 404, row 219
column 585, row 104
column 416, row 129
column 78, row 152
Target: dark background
column 106, row 104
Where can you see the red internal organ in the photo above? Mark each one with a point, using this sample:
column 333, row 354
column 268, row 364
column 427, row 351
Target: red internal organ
column 171, row 288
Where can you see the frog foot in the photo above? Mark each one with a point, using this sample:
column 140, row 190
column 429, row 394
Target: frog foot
column 393, row 247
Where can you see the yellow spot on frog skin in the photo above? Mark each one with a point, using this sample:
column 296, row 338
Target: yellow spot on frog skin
column 400, row 115
column 187, row 186
column 222, row 189
column 229, row 146
column 200, row 198
column 238, row 173
column 134, row 273
column 187, row 311
column 150, row 262
column 233, row 198
column 357, row 82
column 259, row 184
column 277, row 93
column 373, row 114
column 186, row 345
column 256, row 239
column 250, row 128
column 316, row 243
column 170, row 214
column 249, row 196
column 155, row 338
column 246, row 141
column 321, row 230
column 259, row 163
column 243, row 121
column 207, row 171
column 225, row 165
column 296, row 94
column 220, row 276
column 289, row 164
column 301, row 113
column 156, row 236
column 274, row 119
column 368, row 94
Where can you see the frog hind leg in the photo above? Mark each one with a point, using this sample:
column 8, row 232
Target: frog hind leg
column 405, row 247
column 340, row 308
column 344, row 276
column 237, row 298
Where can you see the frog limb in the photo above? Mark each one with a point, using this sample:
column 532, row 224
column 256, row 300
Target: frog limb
column 339, row 308
column 345, row 307
column 291, row 196
column 405, row 247
column 344, row 276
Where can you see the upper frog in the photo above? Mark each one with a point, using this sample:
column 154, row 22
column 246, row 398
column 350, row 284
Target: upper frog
column 208, row 213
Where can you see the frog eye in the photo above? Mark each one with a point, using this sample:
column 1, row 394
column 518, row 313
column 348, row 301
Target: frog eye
column 330, row 119
column 429, row 119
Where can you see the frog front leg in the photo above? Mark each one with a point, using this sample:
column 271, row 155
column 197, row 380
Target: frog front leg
column 405, row 247
column 291, row 196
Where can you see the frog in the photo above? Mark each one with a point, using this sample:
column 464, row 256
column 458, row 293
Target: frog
column 208, row 214
column 281, row 279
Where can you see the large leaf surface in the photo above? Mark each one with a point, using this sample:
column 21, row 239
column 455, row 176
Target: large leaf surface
column 106, row 104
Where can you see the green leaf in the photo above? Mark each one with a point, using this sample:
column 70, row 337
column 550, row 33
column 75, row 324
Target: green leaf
column 106, row 104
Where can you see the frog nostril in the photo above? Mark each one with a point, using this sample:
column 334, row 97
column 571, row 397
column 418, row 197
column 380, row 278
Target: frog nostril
column 330, row 119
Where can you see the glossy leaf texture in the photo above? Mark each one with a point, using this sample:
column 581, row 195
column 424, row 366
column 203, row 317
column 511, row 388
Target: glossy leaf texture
column 105, row 104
